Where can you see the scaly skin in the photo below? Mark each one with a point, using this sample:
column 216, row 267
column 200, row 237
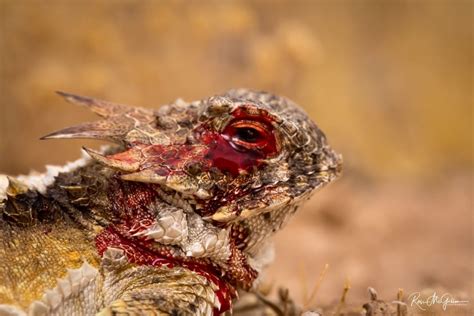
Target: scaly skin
column 173, row 219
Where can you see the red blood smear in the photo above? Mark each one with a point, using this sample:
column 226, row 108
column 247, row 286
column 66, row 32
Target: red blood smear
column 130, row 202
column 227, row 158
column 142, row 255
column 160, row 158
column 173, row 157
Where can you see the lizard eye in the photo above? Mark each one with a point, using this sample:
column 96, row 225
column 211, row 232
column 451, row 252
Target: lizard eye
column 245, row 142
column 248, row 134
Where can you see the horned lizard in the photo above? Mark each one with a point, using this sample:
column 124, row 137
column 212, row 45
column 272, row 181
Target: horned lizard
column 173, row 218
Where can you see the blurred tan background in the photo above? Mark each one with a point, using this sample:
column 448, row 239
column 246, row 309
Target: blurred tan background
column 390, row 82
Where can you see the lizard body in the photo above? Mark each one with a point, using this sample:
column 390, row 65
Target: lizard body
column 173, row 219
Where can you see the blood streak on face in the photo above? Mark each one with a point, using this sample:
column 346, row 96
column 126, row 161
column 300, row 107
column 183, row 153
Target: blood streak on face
column 245, row 142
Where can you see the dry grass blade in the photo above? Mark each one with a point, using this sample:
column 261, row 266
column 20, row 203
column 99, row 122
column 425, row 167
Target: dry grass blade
column 317, row 286
column 303, row 276
column 342, row 301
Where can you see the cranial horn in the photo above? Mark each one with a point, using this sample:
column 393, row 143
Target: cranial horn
column 95, row 130
column 102, row 108
column 120, row 120
column 111, row 162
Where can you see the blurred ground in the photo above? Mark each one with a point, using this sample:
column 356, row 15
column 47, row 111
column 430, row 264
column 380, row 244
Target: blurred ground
column 389, row 82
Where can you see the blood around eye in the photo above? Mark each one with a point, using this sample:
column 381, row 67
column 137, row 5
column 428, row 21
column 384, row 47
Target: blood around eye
column 228, row 158
column 243, row 144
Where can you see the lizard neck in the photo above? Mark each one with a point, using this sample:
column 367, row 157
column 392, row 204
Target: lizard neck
column 123, row 209
column 111, row 211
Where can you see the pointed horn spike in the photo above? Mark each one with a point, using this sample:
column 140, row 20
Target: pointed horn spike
column 147, row 176
column 95, row 155
column 100, row 107
column 76, row 99
column 95, row 130
column 111, row 162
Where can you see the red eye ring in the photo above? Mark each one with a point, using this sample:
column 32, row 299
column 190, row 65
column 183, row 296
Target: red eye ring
column 247, row 140
column 253, row 135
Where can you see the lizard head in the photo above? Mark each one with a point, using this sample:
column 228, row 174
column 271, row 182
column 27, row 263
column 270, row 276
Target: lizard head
column 229, row 157
column 237, row 165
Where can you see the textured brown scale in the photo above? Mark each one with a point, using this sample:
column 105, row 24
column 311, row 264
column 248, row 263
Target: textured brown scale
column 174, row 218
